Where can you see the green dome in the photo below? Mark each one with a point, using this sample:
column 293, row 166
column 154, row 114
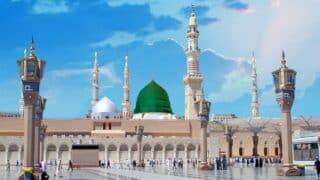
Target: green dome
column 153, row 98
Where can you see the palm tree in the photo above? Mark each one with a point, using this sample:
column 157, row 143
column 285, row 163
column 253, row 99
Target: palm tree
column 256, row 128
column 229, row 131
column 277, row 128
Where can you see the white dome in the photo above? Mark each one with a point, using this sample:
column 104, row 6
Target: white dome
column 104, row 107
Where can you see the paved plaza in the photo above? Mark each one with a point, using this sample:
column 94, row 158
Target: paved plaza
column 236, row 172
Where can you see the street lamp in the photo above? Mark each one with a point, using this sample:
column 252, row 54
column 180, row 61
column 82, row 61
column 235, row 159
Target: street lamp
column 39, row 108
column 284, row 82
column 31, row 73
column 204, row 110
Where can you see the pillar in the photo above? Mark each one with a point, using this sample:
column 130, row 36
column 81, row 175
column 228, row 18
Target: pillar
column 29, row 134
column 287, row 138
column 44, row 153
column 152, row 154
column 204, row 143
column 186, row 155
column 19, row 153
column 139, row 144
column 118, row 155
column 37, row 145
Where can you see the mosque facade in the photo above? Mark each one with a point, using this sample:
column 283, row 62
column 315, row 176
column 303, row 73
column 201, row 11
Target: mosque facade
column 165, row 135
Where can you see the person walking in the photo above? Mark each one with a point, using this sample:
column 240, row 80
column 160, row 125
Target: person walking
column 317, row 166
column 70, row 166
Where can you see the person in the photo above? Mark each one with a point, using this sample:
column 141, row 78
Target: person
column 108, row 164
column 134, row 164
column 44, row 174
column 58, row 169
column 260, row 162
column 317, row 166
column 8, row 165
column 218, row 163
column 70, row 166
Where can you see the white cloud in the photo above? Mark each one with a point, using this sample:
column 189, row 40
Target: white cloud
column 236, row 84
column 275, row 3
column 107, row 71
column 118, row 39
column 50, row 7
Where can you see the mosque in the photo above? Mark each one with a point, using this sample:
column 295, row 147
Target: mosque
column 165, row 135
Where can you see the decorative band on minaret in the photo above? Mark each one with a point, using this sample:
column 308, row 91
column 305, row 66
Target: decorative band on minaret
column 254, row 90
column 193, row 78
column 95, row 81
column 126, row 90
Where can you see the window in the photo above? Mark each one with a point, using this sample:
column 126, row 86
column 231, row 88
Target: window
column 305, row 151
column 31, row 68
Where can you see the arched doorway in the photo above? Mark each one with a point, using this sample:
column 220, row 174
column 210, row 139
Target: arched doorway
column 180, row 151
column 169, row 151
column 51, row 153
column 134, row 152
column 124, row 152
column 101, row 152
column 13, row 154
column 241, row 151
column 276, row 151
column 158, row 151
column 64, row 153
column 146, row 153
column 265, row 151
column 2, row 154
column 191, row 150
column 112, row 153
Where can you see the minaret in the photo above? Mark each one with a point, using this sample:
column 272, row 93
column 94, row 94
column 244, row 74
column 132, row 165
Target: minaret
column 95, row 80
column 126, row 90
column 254, row 90
column 21, row 101
column 193, row 78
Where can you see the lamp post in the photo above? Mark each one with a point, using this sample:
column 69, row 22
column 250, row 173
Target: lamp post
column 139, row 134
column 39, row 107
column 284, row 81
column 204, row 110
column 31, row 73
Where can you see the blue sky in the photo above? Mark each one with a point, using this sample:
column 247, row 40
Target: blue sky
column 154, row 31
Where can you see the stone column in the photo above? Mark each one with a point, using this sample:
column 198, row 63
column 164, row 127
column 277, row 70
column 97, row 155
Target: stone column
column 163, row 154
column 19, row 155
column 44, row 154
column 129, row 155
column 139, row 149
column 186, row 155
column 175, row 152
column 106, row 154
column 118, row 155
column 204, row 143
column 139, row 134
column 152, row 154
column 6, row 154
column 29, row 134
column 57, row 154
column 37, row 146
column 286, row 134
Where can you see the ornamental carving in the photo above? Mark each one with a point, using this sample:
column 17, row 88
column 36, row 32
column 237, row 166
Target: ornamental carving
column 30, row 98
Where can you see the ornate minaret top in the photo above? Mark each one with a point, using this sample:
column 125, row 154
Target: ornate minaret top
column 95, row 80
column 32, row 53
column 126, row 90
column 254, row 89
column 193, row 50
